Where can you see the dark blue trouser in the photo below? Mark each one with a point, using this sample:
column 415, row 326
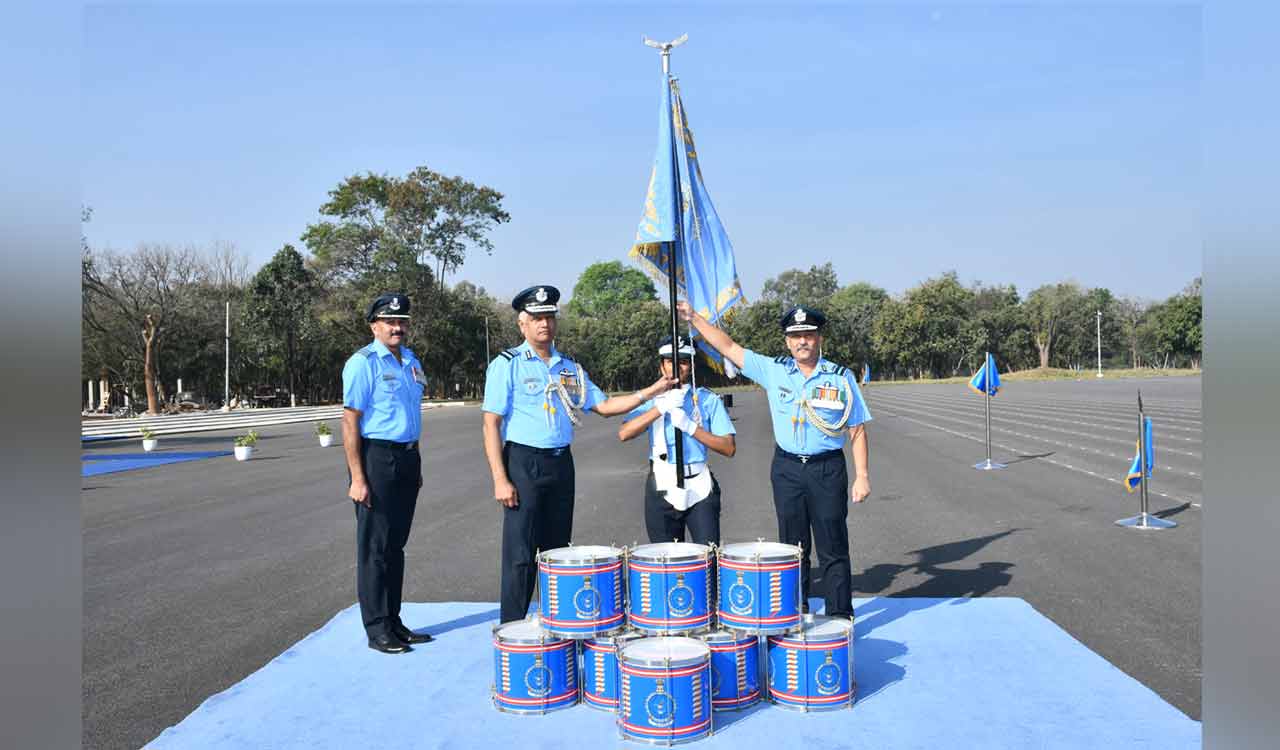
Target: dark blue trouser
column 543, row 519
column 382, row 531
column 664, row 523
column 814, row 496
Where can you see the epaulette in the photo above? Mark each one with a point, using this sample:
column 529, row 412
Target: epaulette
column 367, row 352
column 780, row 360
column 567, row 358
column 507, row 353
column 841, row 370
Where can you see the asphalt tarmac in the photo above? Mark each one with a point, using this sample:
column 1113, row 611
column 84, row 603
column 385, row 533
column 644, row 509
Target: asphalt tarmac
column 196, row 574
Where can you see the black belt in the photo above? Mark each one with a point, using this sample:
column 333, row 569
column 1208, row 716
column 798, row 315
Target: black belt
column 410, row 446
column 561, row 451
column 823, row 456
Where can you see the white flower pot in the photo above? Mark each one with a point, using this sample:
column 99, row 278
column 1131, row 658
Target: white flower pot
column 243, row 452
column 325, row 440
column 149, row 444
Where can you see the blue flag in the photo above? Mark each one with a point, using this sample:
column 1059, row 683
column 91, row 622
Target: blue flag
column 706, row 272
column 866, row 372
column 1132, row 481
column 987, row 378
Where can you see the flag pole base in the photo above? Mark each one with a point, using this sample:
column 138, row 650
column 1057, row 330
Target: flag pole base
column 1145, row 521
column 989, row 465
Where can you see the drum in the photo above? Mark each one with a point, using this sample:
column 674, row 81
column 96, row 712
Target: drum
column 670, row 587
column 665, row 692
column 600, row 669
column 581, row 591
column 759, row 587
column 812, row 670
column 533, row 671
column 735, row 669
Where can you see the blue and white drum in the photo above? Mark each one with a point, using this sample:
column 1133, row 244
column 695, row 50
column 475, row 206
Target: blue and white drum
column 812, row 670
column 600, row 669
column 533, row 671
column 670, row 587
column 735, row 669
column 581, row 591
column 665, row 693
column 759, row 587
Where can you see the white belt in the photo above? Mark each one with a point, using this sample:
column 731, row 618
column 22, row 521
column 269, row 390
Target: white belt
column 690, row 469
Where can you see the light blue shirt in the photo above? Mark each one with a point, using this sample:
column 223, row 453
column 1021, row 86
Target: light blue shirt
column 786, row 386
column 715, row 420
column 515, row 387
column 387, row 393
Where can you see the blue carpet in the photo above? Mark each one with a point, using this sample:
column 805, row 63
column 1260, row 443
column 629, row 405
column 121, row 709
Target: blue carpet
column 106, row 463
column 932, row 673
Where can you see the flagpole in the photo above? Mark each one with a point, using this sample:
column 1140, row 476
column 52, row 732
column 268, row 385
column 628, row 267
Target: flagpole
column 987, row 465
column 674, row 246
column 1144, row 520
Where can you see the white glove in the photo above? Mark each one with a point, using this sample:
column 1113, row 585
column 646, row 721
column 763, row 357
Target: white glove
column 668, row 401
column 681, row 421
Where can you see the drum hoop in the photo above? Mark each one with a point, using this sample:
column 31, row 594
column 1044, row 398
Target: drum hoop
column 547, row 556
column 547, row 639
column 695, row 663
column 657, row 557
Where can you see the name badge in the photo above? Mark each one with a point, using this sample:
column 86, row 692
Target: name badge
column 389, row 376
column 419, row 377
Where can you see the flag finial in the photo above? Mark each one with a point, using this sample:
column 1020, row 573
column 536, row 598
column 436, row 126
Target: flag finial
column 666, row 48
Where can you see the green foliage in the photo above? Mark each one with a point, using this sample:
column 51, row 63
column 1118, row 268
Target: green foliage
column 608, row 286
column 851, row 313
column 322, row 429
column 247, row 441
column 796, row 287
column 147, row 433
column 384, row 229
column 1046, row 308
column 927, row 333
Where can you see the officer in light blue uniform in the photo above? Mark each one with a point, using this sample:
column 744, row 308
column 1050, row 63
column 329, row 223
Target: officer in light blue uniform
column 533, row 395
column 813, row 403
column 382, row 386
column 704, row 424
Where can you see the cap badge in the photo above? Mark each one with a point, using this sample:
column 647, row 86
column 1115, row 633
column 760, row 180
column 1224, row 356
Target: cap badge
column 540, row 295
column 800, row 315
column 395, row 304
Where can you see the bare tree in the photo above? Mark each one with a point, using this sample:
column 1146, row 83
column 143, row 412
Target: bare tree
column 130, row 301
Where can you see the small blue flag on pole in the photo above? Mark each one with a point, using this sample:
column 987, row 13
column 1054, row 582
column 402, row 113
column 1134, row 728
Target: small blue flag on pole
column 866, row 372
column 987, row 378
column 1135, row 473
column 706, row 271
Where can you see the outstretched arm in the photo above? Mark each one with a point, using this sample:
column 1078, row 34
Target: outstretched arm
column 623, row 404
column 718, row 339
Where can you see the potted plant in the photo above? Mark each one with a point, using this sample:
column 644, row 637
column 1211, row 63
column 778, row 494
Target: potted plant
column 325, row 434
column 245, row 444
column 149, row 441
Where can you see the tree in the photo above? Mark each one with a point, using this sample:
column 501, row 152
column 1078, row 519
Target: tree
column 387, row 227
column 129, row 305
column 796, row 287
column 277, row 302
column 604, row 287
column 1045, row 308
column 928, row 331
column 851, row 312
column 442, row 216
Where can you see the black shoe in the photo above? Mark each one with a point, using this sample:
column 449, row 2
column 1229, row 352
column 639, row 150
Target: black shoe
column 408, row 636
column 388, row 644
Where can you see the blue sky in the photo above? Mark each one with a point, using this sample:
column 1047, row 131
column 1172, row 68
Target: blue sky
column 1023, row 145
